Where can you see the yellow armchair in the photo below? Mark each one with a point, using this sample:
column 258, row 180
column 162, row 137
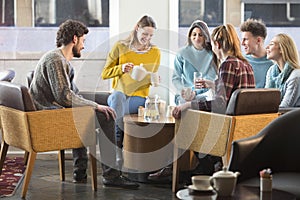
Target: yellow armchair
column 43, row 131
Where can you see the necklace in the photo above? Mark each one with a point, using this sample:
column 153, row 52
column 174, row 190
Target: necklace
column 142, row 48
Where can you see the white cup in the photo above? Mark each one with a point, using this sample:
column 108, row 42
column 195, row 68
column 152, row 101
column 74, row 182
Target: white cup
column 154, row 79
column 162, row 107
column 170, row 111
column 141, row 110
column 201, row 182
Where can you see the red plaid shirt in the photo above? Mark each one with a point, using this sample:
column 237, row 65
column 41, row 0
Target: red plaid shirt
column 233, row 74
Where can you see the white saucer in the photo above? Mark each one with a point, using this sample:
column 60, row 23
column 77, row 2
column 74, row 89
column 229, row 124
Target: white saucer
column 192, row 187
column 189, row 194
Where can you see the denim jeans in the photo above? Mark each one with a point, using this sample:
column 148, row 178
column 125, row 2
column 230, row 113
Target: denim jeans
column 123, row 105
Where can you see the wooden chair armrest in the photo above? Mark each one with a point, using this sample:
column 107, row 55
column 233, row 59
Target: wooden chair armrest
column 203, row 132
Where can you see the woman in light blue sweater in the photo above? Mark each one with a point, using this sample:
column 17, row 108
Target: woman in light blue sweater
column 285, row 73
column 196, row 56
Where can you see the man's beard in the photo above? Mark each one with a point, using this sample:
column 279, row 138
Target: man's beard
column 76, row 52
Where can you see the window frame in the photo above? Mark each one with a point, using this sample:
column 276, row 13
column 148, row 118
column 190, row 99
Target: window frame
column 288, row 11
column 59, row 18
column 187, row 24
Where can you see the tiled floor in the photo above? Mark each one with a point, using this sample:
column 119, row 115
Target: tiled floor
column 45, row 185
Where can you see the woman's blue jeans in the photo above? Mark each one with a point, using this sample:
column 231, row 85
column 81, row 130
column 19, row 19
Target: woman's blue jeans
column 123, row 105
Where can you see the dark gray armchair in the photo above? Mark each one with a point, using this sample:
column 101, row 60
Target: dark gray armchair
column 277, row 146
column 7, row 75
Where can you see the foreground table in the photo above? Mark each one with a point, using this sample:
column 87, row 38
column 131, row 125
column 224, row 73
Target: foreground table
column 241, row 192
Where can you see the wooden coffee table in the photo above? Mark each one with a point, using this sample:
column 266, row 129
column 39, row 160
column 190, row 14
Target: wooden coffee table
column 148, row 145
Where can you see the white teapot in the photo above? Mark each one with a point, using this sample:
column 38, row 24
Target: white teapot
column 224, row 182
column 138, row 73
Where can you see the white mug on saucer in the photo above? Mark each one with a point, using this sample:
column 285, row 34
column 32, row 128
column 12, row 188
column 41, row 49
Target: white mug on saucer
column 201, row 182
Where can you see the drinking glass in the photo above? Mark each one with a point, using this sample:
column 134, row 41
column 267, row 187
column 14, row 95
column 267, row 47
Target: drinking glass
column 197, row 77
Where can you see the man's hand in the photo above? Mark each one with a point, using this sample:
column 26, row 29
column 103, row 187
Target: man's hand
column 108, row 111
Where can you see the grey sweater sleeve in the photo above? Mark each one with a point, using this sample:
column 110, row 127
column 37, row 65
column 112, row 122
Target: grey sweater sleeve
column 51, row 86
column 61, row 88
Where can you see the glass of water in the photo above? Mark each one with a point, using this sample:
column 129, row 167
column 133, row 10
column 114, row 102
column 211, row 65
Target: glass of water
column 197, row 78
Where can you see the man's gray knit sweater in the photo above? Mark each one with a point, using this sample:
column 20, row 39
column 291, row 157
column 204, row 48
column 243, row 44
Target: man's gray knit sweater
column 51, row 86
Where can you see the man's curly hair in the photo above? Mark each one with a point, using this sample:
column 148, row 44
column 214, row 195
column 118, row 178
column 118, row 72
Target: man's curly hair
column 68, row 29
column 255, row 26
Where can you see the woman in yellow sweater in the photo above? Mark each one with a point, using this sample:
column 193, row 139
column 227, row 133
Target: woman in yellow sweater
column 128, row 93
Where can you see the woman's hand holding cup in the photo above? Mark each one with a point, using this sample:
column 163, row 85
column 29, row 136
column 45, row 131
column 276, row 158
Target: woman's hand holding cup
column 198, row 80
column 188, row 94
column 126, row 67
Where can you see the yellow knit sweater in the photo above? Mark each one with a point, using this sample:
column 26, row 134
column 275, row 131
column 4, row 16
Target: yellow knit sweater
column 122, row 82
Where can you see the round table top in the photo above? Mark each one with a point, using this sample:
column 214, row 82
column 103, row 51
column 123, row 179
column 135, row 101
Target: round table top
column 241, row 192
column 134, row 118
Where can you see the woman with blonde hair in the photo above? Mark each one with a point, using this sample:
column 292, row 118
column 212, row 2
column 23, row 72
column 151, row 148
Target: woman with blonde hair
column 128, row 94
column 285, row 73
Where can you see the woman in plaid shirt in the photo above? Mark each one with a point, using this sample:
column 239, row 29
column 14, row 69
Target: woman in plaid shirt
column 234, row 72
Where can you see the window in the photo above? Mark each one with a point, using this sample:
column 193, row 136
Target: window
column 7, row 13
column 281, row 13
column 210, row 11
column 94, row 13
